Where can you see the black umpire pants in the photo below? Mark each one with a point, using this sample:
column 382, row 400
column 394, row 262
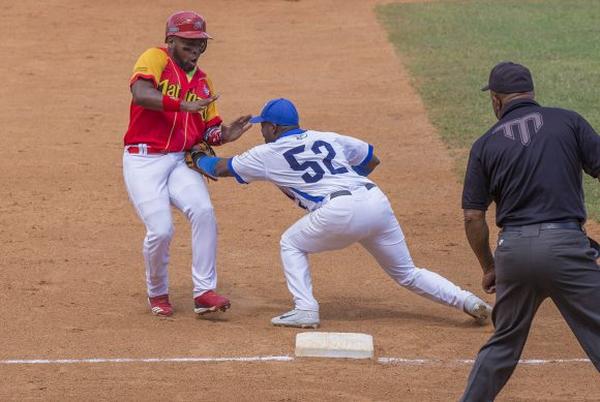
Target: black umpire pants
column 531, row 265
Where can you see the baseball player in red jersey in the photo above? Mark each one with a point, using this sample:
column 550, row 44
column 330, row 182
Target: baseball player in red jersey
column 173, row 109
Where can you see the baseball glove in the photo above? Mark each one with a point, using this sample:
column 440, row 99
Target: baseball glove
column 198, row 151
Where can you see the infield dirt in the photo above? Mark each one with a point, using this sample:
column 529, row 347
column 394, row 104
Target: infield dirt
column 71, row 277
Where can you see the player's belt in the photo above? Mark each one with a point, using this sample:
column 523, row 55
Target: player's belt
column 143, row 149
column 543, row 226
column 348, row 192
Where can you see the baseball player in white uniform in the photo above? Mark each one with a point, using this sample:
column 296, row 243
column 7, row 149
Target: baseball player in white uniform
column 325, row 173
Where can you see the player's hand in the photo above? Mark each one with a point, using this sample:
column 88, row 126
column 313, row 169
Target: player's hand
column 488, row 282
column 197, row 105
column 235, row 129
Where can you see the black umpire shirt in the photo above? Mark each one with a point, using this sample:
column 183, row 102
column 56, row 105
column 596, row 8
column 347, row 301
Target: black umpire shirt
column 530, row 164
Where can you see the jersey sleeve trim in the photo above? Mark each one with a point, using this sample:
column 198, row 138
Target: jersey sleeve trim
column 477, row 207
column 148, row 77
column 367, row 159
column 234, row 173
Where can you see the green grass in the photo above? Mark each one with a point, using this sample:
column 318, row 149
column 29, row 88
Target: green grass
column 450, row 47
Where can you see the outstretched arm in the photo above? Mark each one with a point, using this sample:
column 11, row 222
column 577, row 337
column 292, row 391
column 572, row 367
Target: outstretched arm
column 210, row 166
column 246, row 168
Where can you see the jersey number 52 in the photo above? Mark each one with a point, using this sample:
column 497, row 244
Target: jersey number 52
column 315, row 166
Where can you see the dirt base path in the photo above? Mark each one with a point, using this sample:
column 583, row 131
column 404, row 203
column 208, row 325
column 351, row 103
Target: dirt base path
column 71, row 276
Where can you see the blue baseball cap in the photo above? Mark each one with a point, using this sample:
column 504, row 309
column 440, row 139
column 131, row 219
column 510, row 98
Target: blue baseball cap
column 279, row 111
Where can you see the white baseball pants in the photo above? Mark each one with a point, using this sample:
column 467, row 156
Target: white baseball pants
column 154, row 182
column 367, row 217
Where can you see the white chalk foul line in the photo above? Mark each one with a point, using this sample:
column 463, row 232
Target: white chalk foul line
column 417, row 362
column 151, row 360
column 382, row 360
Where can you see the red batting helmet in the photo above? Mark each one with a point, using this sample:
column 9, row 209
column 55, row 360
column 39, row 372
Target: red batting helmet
column 187, row 24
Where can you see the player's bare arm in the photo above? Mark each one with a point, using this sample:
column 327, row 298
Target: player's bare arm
column 478, row 236
column 365, row 170
column 222, row 168
column 146, row 95
column 214, row 166
column 373, row 163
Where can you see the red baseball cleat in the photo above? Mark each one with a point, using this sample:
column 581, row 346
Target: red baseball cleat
column 160, row 306
column 209, row 302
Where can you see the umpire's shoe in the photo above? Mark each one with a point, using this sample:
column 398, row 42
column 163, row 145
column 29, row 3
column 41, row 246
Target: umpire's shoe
column 209, row 302
column 298, row 319
column 477, row 308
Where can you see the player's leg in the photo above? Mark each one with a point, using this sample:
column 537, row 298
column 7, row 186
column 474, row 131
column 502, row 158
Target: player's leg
column 576, row 290
column 146, row 182
column 328, row 228
column 189, row 193
column 388, row 245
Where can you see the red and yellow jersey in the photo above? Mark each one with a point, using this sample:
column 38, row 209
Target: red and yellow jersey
column 170, row 131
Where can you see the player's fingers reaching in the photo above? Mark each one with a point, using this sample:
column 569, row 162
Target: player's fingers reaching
column 208, row 100
column 197, row 105
column 235, row 130
column 243, row 120
column 245, row 128
column 201, row 103
column 242, row 123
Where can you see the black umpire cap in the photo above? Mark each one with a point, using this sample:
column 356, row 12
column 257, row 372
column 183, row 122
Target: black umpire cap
column 508, row 77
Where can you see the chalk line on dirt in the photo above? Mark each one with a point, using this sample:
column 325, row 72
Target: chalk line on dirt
column 274, row 358
column 417, row 362
column 150, row 360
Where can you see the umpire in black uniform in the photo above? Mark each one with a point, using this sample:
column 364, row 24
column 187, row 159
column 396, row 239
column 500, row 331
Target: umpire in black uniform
column 530, row 164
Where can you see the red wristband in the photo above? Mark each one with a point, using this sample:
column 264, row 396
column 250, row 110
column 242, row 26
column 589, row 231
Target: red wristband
column 171, row 104
column 214, row 135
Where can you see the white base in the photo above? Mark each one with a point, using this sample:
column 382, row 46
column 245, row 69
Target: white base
column 335, row 345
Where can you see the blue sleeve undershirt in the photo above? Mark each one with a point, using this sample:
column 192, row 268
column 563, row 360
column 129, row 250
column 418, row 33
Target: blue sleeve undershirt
column 208, row 164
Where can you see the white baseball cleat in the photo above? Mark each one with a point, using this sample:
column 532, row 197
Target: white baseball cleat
column 477, row 308
column 298, row 319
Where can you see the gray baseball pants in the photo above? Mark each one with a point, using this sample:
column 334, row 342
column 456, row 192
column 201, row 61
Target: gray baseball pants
column 532, row 265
